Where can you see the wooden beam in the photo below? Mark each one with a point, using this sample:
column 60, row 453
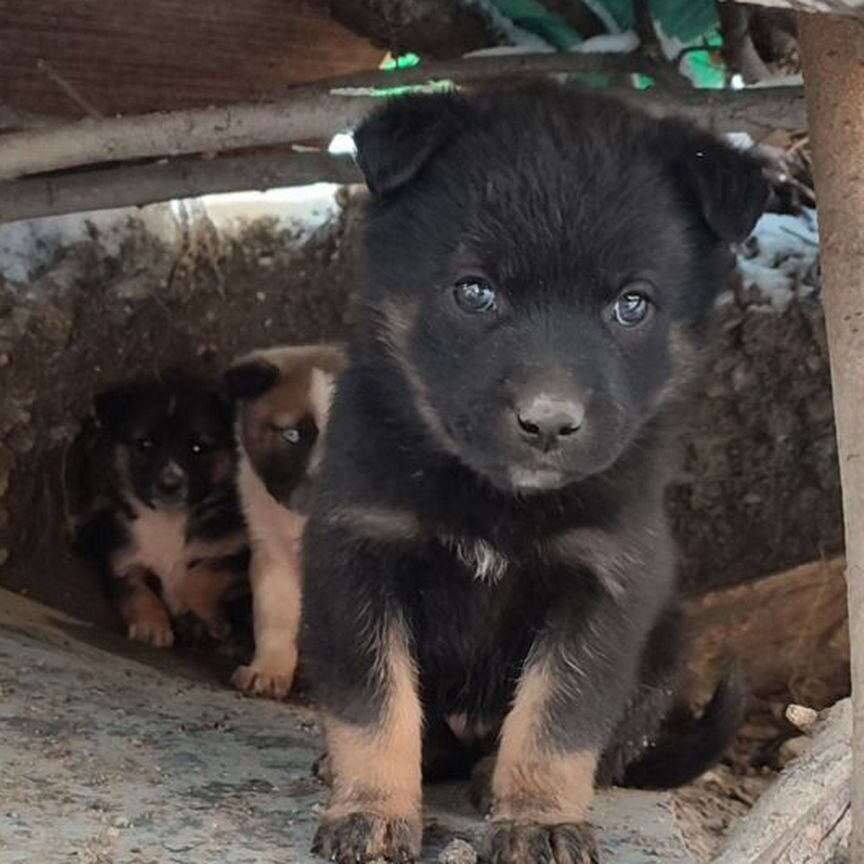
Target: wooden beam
column 320, row 110
column 164, row 55
column 833, row 57
column 136, row 185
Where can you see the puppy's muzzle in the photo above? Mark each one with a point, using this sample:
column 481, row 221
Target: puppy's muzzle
column 549, row 422
column 171, row 485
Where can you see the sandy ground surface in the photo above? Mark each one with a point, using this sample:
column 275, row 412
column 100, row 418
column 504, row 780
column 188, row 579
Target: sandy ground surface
column 112, row 753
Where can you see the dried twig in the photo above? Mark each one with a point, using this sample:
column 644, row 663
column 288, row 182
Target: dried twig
column 738, row 50
column 143, row 184
column 319, row 110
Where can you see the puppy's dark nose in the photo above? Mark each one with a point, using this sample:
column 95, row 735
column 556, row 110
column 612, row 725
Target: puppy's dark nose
column 171, row 479
column 547, row 422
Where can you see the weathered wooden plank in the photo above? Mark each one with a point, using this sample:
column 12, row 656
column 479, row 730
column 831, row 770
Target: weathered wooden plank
column 833, row 53
column 804, row 817
column 133, row 57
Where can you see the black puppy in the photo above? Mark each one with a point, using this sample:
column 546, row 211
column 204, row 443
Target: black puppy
column 156, row 504
column 488, row 558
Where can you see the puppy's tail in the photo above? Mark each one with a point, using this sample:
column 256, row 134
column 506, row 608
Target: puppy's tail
column 686, row 746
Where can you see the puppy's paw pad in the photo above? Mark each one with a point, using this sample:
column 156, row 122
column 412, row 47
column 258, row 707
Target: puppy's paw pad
column 530, row 843
column 361, row 837
column 257, row 681
column 151, row 633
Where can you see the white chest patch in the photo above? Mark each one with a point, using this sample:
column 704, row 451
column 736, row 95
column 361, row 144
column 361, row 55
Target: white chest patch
column 159, row 544
column 480, row 557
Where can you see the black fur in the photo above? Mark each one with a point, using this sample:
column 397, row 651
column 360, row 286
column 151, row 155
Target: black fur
column 561, row 202
column 143, row 432
column 248, row 380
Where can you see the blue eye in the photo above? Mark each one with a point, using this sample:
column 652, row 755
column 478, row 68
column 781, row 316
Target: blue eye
column 291, row 434
column 631, row 308
column 475, row 295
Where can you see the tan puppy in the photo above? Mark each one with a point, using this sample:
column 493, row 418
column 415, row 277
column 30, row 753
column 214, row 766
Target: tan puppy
column 283, row 399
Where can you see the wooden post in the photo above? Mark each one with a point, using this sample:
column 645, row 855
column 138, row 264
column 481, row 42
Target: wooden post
column 833, row 53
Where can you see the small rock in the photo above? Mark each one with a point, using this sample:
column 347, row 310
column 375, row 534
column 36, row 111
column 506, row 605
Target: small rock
column 801, row 717
column 458, row 852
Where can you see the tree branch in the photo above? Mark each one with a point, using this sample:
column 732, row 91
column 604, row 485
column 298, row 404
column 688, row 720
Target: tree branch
column 136, row 185
column 319, row 110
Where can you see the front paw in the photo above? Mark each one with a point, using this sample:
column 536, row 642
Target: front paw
column 271, row 682
column 156, row 633
column 480, row 789
column 360, row 837
column 529, row 843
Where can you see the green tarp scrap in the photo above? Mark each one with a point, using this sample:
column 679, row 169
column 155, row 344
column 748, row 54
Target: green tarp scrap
column 687, row 23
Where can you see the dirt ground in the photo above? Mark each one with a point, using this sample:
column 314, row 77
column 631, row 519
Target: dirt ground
column 111, row 752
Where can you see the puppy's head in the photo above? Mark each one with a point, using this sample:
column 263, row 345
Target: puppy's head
column 172, row 437
column 283, row 397
column 541, row 265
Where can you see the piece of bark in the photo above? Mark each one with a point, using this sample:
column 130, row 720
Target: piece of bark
column 788, row 633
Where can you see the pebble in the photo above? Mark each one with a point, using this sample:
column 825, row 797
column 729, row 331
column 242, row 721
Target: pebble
column 458, row 852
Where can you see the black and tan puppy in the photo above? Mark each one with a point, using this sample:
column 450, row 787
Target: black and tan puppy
column 488, row 556
column 156, row 504
column 283, row 399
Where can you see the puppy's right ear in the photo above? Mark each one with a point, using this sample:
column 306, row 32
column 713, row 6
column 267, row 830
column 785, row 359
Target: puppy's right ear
column 250, row 379
column 397, row 140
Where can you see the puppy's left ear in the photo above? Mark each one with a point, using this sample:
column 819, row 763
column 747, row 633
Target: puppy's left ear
column 250, row 379
column 728, row 184
column 114, row 403
column 396, row 141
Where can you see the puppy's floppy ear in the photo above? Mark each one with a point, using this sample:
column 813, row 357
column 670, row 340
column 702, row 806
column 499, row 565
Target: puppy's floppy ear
column 397, row 140
column 250, row 379
column 728, row 184
column 114, row 403
column 221, row 400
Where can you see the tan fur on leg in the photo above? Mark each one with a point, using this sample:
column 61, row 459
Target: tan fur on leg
column 532, row 781
column 146, row 617
column 376, row 772
column 204, row 590
column 276, row 599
